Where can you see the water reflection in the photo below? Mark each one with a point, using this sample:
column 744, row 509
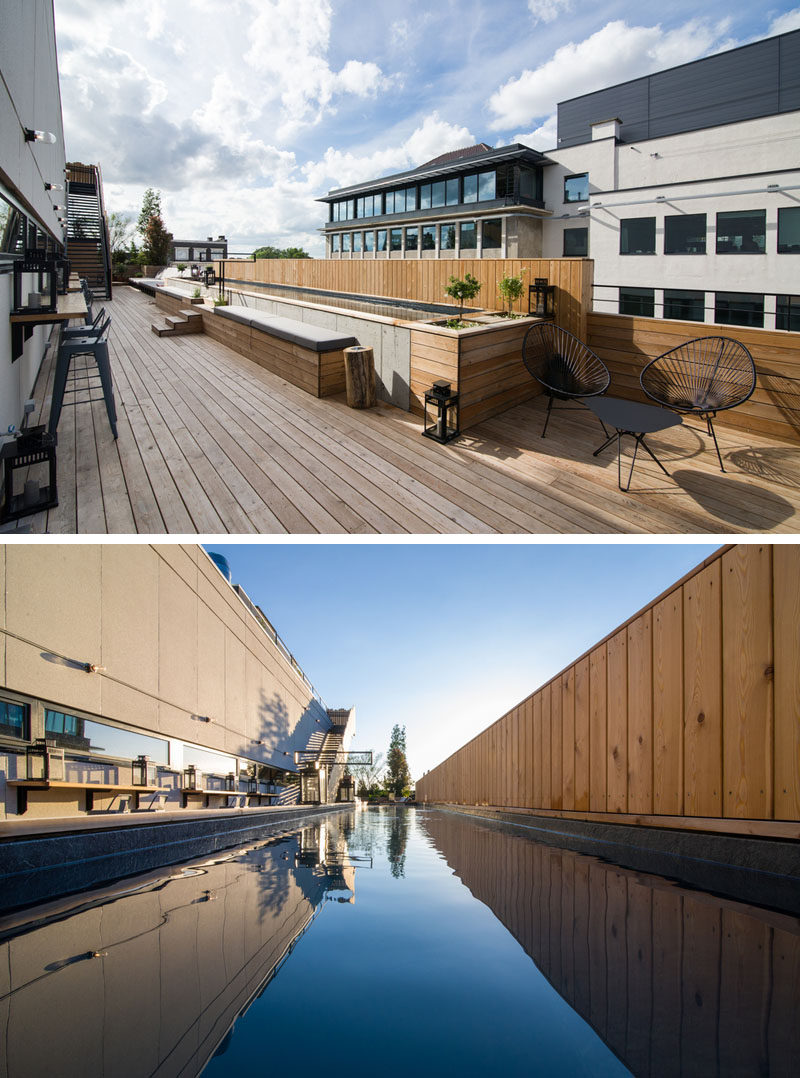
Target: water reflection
column 149, row 980
column 675, row 981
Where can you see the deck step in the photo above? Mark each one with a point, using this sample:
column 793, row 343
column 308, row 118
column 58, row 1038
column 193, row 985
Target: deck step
column 176, row 325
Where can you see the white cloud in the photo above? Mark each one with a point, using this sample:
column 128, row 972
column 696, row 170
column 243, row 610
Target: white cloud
column 614, row 54
column 544, row 137
column 790, row 20
column 548, row 10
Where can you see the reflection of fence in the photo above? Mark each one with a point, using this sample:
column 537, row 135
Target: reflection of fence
column 354, row 759
column 689, row 709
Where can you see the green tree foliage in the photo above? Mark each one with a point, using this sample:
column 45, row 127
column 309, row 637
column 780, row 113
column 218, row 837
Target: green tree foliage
column 120, row 233
column 510, row 288
column 397, row 774
column 463, row 290
column 151, row 207
column 157, row 242
column 277, row 252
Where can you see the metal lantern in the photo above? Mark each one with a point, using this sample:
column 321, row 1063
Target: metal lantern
column 63, row 272
column 441, row 413
column 252, row 784
column 44, row 761
column 541, row 298
column 39, row 296
column 210, row 278
column 192, row 779
column 143, row 771
column 347, row 788
column 230, row 782
column 31, row 457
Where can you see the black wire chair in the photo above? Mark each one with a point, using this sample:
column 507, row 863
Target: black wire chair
column 701, row 377
column 564, row 365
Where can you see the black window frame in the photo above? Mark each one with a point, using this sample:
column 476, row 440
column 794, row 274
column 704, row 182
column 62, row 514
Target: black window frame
column 576, row 254
column 576, row 176
column 427, row 232
column 721, row 311
column 732, row 249
column 670, row 245
column 631, row 224
column 788, row 212
column 485, row 223
column 7, row 729
column 685, row 297
column 787, row 308
column 467, row 224
column 646, row 298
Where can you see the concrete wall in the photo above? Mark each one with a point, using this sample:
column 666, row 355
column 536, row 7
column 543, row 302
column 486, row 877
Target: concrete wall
column 177, row 646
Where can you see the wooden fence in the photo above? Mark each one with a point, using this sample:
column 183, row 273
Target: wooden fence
column 673, row 980
column 687, row 715
column 626, row 343
column 425, row 280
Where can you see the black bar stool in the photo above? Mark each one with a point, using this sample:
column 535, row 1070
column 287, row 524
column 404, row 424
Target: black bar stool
column 94, row 346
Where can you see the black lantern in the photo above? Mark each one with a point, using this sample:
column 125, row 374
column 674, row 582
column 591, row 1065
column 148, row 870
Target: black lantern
column 63, row 272
column 33, row 449
column 347, row 788
column 210, row 277
column 192, row 779
column 252, row 784
column 441, row 413
column 43, row 761
column 143, row 771
column 541, row 298
column 230, row 782
column 35, row 295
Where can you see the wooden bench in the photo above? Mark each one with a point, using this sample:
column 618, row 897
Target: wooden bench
column 208, row 792
column 308, row 356
column 91, row 788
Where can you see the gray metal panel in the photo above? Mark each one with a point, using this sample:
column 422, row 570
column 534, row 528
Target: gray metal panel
column 789, row 58
column 627, row 102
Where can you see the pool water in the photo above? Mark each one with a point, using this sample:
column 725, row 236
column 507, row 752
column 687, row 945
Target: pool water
column 388, row 307
column 393, row 940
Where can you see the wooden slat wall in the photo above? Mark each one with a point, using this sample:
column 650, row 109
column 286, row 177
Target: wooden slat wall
column 689, row 710
column 626, row 344
column 672, row 981
column 425, row 279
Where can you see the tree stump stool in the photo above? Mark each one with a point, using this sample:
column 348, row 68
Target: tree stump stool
column 359, row 372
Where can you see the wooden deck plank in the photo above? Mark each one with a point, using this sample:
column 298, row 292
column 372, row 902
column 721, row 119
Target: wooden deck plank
column 212, row 442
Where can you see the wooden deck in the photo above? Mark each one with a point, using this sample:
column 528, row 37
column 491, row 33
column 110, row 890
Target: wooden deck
column 210, row 443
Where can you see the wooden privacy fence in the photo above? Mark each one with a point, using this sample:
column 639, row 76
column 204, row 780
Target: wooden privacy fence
column 689, row 710
column 625, row 344
column 425, row 280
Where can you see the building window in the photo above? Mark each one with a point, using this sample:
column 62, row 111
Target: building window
column 492, row 233
column 345, row 242
column 470, row 188
column 530, row 183
column 451, row 192
column 381, row 239
column 75, row 732
column 356, row 241
column 684, row 304
column 742, row 232
column 411, row 198
column 181, row 254
column 469, row 236
column 487, row 186
column 739, row 309
column 412, row 239
column 789, row 230
column 425, row 196
column 685, row 234
column 576, row 242
column 395, row 239
column 787, row 314
column 429, row 238
column 576, row 188
column 447, row 241
column 437, row 194
column 639, row 301
column 369, row 241
column 637, row 236
column 13, row 719
column 335, row 243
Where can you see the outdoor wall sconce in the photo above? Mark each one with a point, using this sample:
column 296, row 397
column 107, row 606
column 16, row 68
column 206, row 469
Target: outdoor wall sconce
column 94, row 668
column 39, row 136
column 541, row 298
column 43, row 761
column 54, row 187
column 143, row 771
column 441, row 416
column 191, row 778
column 43, row 299
column 34, row 449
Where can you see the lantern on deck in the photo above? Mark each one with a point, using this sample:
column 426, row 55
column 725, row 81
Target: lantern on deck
column 191, row 778
column 44, row 761
column 37, row 296
column 541, row 298
column 441, row 413
column 230, row 782
column 143, row 771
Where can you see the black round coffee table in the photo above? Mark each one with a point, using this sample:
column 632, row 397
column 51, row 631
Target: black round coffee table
column 634, row 419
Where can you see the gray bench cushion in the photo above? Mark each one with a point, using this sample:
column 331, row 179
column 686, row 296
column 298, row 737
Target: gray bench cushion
column 315, row 338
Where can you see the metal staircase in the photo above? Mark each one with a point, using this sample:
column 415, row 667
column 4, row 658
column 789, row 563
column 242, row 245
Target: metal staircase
column 88, row 248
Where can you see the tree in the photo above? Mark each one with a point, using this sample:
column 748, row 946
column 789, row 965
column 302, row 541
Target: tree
column 157, row 242
column 151, row 207
column 276, row 252
column 463, row 290
column 510, row 288
column 369, row 776
column 120, row 232
column 397, row 773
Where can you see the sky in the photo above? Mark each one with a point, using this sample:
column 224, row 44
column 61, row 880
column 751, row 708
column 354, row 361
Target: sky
column 242, row 113
column 445, row 638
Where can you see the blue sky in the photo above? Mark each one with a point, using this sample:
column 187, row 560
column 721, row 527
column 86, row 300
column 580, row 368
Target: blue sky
column 444, row 638
column 242, row 113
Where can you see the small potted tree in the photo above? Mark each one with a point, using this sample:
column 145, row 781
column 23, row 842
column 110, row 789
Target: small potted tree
column 510, row 288
column 462, row 290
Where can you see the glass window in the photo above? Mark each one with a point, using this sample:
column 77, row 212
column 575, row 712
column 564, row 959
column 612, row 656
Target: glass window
column 411, row 198
column 637, row 301
column 492, row 234
column 13, row 719
column 469, row 235
column 684, row 304
column 685, row 234
column 487, row 182
column 447, row 240
column 356, row 241
column 369, row 241
column 425, row 196
column 429, row 238
column 345, row 241
column 335, row 242
column 412, row 239
column 470, row 189
column 389, row 199
column 207, row 761
column 742, row 232
column 739, row 309
column 85, row 735
column 437, row 194
column 381, row 239
column 576, row 242
column 181, row 254
column 400, row 201
column 395, row 239
column 360, row 207
column 576, row 188
column 637, row 236
column 787, row 314
column 451, row 194
column 530, row 183
column 789, row 230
